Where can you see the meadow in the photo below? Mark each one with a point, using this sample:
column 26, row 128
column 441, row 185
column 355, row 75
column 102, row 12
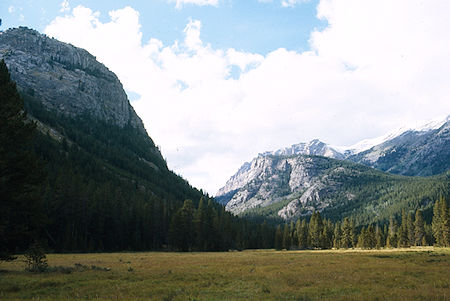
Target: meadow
column 400, row 274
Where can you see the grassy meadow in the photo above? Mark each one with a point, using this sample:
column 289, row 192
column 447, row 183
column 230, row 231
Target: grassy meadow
column 405, row 274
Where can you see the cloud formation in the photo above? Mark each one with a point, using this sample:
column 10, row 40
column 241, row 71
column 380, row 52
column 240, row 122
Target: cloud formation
column 376, row 66
column 180, row 3
column 65, row 6
column 286, row 3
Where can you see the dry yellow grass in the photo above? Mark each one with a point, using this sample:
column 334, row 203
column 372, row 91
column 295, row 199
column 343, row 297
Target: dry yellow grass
column 407, row 274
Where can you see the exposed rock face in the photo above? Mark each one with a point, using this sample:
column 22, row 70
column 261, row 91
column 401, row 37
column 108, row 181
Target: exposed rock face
column 309, row 183
column 413, row 153
column 314, row 147
column 268, row 179
column 65, row 78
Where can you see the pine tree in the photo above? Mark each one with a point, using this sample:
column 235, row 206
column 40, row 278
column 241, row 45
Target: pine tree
column 21, row 174
column 391, row 241
column 419, row 229
column 286, row 244
column 302, row 234
column 441, row 223
column 403, row 232
column 181, row 232
column 411, row 229
column 337, row 236
column 315, row 230
column 278, row 238
column 294, row 236
column 445, row 222
column 347, row 234
column 379, row 241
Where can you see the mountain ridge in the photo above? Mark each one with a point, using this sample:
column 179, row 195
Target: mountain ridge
column 292, row 182
column 65, row 78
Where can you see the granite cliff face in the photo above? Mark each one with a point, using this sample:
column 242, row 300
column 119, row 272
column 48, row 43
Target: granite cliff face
column 299, row 181
column 65, row 78
column 307, row 183
column 415, row 152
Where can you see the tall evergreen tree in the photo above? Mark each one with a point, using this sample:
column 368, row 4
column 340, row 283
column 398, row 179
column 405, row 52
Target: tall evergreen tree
column 181, row 232
column 441, row 223
column 315, row 230
column 337, row 236
column 403, row 240
column 286, row 237
column 379, row 241
column 347, row 234
column 411, row 229
column 302, row 234
column 21, row 213
column 419, row 228
column 391, row 241
column 278, row 238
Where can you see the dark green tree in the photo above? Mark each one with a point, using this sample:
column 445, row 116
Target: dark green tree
column 391, row 241
column 286, row 237
column 347, row 234
column 315, row 230
column 302, row 234
column 419, row 229
column 337, row 236
column 278, row 238
column 440, row 224
column 181, row 232
column 411, row 229
column 403, row 240
column 20, row 173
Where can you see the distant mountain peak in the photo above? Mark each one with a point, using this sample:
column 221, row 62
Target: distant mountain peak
column 313, row 147
column 301, row 173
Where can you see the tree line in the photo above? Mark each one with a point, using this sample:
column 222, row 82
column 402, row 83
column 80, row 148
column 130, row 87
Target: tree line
column 82, row 185
column 97, row 187
column 321, row 233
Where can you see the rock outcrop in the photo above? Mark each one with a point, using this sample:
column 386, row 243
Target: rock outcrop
column 65, row 78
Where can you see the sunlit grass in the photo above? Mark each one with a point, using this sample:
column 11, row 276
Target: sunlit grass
column 406, row 274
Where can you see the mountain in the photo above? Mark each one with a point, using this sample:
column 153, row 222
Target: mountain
column 289, row 187
column 65, row 78
column 306, row 177
column 314, row 147
column 421, row 151
column 107, row 186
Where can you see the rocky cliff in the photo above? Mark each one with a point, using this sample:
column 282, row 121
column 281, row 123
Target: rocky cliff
column 415, row 152
column 65, row 78
column 305, row 183
column 296, row 180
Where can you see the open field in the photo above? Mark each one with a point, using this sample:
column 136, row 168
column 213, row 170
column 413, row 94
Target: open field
column 408, row 274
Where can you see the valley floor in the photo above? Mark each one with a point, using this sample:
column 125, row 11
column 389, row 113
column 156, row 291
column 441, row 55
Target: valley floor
column 405, row 274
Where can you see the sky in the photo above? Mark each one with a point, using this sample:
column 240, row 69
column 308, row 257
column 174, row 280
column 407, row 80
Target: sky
column 218, row 81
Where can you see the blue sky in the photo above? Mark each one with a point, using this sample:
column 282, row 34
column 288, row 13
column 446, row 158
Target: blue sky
column 247, row 25
column 218, row 81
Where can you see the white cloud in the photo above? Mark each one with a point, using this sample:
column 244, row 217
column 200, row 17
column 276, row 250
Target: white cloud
column 180, row 3
column 65, row 6
column 376, row 66
column 11, row 9
column 286, row 3
column 291, row 3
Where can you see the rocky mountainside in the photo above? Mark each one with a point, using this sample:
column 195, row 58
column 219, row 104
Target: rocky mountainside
column 295, row 181
column 289, row 187
column 414, row 152
column 83, row 109
column 65, row 78
column 314, row 147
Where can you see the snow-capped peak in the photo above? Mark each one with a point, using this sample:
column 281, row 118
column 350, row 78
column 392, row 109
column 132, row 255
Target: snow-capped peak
column 420, row 126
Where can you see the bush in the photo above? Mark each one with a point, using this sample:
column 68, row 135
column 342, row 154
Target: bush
column 36, row 259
